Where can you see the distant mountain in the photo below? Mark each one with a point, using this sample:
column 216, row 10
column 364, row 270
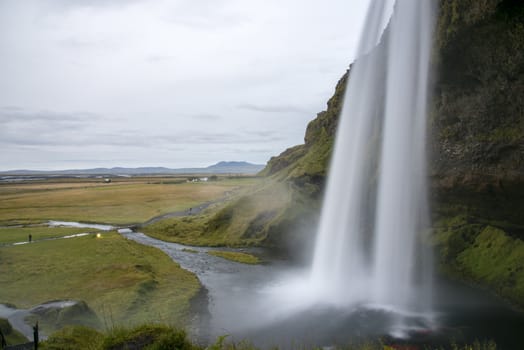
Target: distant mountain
column 235, row 167
column 218, row 168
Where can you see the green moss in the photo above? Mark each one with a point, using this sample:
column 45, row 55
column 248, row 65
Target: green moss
column 316, row 160
column 496, row 259
column 285, row 159
column 243, row 258
column 485, row 255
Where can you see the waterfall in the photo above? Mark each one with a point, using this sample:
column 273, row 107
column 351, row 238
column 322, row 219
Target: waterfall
column 369, row 245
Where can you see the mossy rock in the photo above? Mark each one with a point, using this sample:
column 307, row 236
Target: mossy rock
column 54, row 318
column 485, row 255
column 12, row 336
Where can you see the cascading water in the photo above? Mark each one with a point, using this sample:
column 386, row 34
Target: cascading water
column 368, row 248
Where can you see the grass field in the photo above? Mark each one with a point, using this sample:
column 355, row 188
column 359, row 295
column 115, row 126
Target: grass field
column 127, row 201
column 122, row 281
column 21, row 234
column 243, row 258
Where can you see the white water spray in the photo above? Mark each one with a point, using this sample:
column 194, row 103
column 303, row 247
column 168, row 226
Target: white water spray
column 368, row 248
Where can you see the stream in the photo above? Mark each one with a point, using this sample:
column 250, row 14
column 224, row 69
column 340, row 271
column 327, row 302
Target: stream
column 249, row 302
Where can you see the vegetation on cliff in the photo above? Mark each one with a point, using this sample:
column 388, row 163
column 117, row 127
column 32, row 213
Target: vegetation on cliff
column 477, row 153
column 478, row 143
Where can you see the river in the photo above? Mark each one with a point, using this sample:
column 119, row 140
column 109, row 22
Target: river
column 244, row 303
column 247, row 302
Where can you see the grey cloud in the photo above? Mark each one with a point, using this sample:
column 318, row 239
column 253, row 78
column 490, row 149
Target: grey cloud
column 159, row 58
column 22, row 127
column 92, row 4
column 13, row 113
column 11, row 109
column 253, row 150
column 248, row 137
column 205, row 22
column 204, row 14
column 76, row 43
column 206, row 117
column 272, row 108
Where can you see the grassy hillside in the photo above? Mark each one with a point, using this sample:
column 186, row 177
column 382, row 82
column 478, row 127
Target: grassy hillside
column 477, row 151
column 122, row 281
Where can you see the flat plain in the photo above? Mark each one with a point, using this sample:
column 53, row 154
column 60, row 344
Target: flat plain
column 123, row 282
column 123, row 201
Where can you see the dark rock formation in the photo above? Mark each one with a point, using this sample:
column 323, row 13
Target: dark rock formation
column 477, row 144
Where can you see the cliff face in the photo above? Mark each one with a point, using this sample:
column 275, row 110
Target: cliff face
column 476, row 167
column 478, row 113
column 477, row 144
column 477, row 163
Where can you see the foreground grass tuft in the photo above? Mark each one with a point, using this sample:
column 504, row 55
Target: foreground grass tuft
column 150, row 336
column 12, row 335
column 160, row 337
column 74, row 337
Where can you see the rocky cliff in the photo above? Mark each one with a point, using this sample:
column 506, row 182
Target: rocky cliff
column 477, row 163
column 477, row 151
column 477, row 144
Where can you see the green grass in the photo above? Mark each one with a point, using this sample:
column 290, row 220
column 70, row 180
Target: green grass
column 147, row 336
column 122, row 281
column 74, row 337
column 21, row 234
column 243, row 220
column 150, row 337
column 12, row 335
column 132, row 201
column 243, row 258
column 483, row 254
column 497, row 260
column 161, row 337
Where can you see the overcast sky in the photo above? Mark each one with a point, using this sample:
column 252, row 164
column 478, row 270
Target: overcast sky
column 175, row 83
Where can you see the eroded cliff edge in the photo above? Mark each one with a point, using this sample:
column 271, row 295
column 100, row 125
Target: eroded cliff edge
column 477, row 146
